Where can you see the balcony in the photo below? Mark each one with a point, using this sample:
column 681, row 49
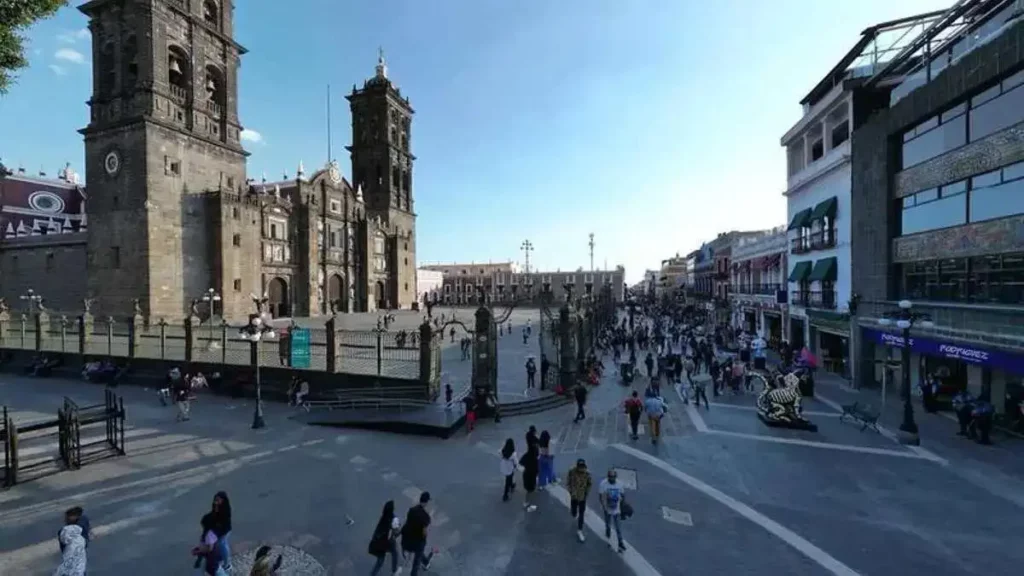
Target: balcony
column 822, row 299
column 215, row 109
column 818, row 240
column 179, row 94
column 758, row 289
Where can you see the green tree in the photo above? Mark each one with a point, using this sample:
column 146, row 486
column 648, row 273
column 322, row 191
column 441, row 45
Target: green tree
column 15, row 17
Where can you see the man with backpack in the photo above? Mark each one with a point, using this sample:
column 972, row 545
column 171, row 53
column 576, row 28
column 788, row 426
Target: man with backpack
column 634, row 409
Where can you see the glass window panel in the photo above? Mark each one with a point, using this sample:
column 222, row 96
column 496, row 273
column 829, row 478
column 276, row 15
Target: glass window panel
column 952, row 280
column 953, row 112
column 1013, row 171
column 927, row 195
column 935, row 215
column 986, row 96
column 986, row 179
column 997, row 201
column 926, row 125
column 954, row 188
column 993, row 116
column 935, row 142
column 1013, row 81
column 908, row 201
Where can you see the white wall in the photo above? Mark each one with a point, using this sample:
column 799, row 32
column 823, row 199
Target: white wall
column 836, row 183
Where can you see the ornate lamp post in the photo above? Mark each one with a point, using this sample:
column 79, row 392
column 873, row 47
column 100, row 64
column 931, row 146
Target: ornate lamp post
column 259, row 328
column 211, row 297
column 35, row 301
column 905, row 318
column 527, row 247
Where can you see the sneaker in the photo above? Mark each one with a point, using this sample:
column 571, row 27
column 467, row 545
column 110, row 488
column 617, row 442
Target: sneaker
column 622, row 547
column 531, row 508
column 580, row 536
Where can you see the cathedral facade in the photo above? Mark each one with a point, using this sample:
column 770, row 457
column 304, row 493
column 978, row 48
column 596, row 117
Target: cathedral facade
column 173, row 217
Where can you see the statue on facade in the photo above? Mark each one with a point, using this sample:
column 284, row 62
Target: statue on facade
column 87, row 305
column 4, row 308
column 136, row 307
column 195, row 308
column 332, row 305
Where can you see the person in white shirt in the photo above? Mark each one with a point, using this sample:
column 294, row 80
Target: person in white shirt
column 612, row 495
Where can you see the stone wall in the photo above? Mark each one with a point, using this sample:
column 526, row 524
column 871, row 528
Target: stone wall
column 53, row 266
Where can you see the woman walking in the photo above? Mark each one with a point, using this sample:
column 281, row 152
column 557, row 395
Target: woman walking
column 547, row 460
column 530, row 463
column 72, row 546
column 208, row 557
column 385, row 538
column 508, row 468
column 221, row 513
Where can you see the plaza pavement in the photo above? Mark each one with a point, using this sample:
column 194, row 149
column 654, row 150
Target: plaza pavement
column 721, row 494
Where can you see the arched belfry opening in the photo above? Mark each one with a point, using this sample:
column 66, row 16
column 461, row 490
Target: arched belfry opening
column 211, row 13
column 178, row 72
column 214, row 91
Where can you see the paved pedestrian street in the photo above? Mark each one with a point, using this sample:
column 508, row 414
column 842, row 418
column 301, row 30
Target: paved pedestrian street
column 720, row 494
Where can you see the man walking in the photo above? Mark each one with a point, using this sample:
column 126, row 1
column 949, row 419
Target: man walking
column 581, row 399
column 414, row 535
column 612, row 495
column 531, row 373
column 634, row 408
column 655, row 408
column 578, row 482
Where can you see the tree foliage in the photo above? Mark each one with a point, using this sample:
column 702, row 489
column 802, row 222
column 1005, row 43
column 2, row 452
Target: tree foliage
column 15, row 17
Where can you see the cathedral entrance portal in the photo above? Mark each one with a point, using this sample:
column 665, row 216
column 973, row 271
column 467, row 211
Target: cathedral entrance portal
column 277, row 292
column 336, row 293
column 378, row 296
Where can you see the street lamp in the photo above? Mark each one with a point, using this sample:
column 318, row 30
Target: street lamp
column 527, row 247
column 211, row 297
column 259, row 328
column 904, row 318
column 35, row 301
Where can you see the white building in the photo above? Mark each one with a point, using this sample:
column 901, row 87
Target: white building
column 818, row 158
column 758, row 294
column 428, row 284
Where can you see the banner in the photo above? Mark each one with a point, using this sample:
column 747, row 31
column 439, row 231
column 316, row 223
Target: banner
column 969, row 353
column 300, row 348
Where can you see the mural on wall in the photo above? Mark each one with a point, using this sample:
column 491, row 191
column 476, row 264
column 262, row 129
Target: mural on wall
column 991, row 237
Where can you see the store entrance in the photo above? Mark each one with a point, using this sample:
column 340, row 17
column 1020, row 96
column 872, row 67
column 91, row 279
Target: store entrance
column 796, row 334
column 749, row 321
column 773, row 330
column 833, row 350
column 952, row 375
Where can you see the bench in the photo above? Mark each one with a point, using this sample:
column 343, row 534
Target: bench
column 863, row 414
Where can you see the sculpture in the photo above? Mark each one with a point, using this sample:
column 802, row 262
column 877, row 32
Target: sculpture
column 137, row 306
column 4, row 308
column 779, row 404
column 195, row 308
column 87, row 305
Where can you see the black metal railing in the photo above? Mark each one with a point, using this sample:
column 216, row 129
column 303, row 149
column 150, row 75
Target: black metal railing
column 758, row 289
column 818, row 240
column 825, row 299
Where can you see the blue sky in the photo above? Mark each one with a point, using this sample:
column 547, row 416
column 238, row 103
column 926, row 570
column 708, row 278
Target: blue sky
column 653, row 124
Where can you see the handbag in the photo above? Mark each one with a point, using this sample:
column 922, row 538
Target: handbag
column 625, row 510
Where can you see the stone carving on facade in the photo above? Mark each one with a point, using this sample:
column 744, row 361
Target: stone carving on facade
column 87, row 305
column 991, row 237
column 194, row 308
column 137, row 306
column 4, row 308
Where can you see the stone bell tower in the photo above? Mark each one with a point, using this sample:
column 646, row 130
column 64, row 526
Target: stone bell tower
column 382, row 165
column 163, row 133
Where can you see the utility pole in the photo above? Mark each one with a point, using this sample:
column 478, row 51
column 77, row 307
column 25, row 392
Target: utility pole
column 591, row 244
column 527, row 247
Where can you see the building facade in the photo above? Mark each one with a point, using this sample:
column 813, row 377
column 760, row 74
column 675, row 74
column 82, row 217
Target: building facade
column 758, row 295
column 504, row 282
column 429, row 285
column 818, row 195
column 672, row 276
column 174, row 213
column 938, row 205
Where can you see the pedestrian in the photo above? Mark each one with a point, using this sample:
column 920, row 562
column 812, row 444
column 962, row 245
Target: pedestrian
column 385, row 539
column 72, row 551
column 699, row 391
column 578, row 482
column 76, row 516
column 414, row 535
column 470, row 404
column 221, row 511
column 207, row 553
column 531, row 373
column 509, row 464
column 530, row 463
column 261, row 564
column 447, row 396
column 531, row 438
column 181, row 398
column 655, row 408
column 612, row 497
column 581, row 400
column 545, row 367
column 634, row 409
column 649, row 363
column 547, row 460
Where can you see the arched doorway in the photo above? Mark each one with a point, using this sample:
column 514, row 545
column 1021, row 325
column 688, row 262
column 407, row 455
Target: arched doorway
column 336, row 293
column 378, row 295
column 277, row 293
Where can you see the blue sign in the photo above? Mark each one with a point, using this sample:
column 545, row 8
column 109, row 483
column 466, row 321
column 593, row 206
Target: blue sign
column 300, row 347
column 971, row 354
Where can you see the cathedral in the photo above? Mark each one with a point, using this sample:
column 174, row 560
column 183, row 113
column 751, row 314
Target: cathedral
column 173, row 218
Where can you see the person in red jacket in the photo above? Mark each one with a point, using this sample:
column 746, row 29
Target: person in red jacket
column 634, row 409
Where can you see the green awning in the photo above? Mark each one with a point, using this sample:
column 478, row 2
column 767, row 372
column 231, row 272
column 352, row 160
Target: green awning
column 802, row 218
column 800, row 271
column 825, row 208
column 824, row 270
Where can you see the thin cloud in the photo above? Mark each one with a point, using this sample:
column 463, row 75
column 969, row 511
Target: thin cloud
column 252, row 136
column 74, row 37
column 69, row 55
column 58, row 70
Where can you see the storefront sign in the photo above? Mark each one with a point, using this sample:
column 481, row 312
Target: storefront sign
column 967, row 353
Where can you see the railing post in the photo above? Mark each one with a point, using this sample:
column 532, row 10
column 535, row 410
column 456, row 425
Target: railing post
column 188, row 339
column 331, row 343
column 24, row 330
column 40, row 320
column 223, row 341
column 110, row 336
column 426, row 355
column 162, row 324
column 133, row 331
column 84, row 327
column 380, row 352
column 63, row 333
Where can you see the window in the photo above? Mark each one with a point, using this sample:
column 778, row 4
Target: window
column 817, row 150
column 273, row 230
column 115, row 202
column 406, row 286
column 841, row 133
column 49, row 261
column 934, row 137
column 335, row 207
column 935, row 208
column 130, row 56
column 996, row 279
column 211, row 13
column 998, row 194
column 115, row 257
column 236, row 240
column 172, row 167
column 405, row 246
column 237, row 285
column 234, row 212
column 334, row 239
column 997, row 108
column 405, row 261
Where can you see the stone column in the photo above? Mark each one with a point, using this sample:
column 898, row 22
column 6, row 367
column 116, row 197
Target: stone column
column 42, row 324
column 135, row 328
column 190, row 324
column 86, row 324
column 5, row 322
column 332, row 344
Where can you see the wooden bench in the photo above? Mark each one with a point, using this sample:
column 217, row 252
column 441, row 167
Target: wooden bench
column 863, row 414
